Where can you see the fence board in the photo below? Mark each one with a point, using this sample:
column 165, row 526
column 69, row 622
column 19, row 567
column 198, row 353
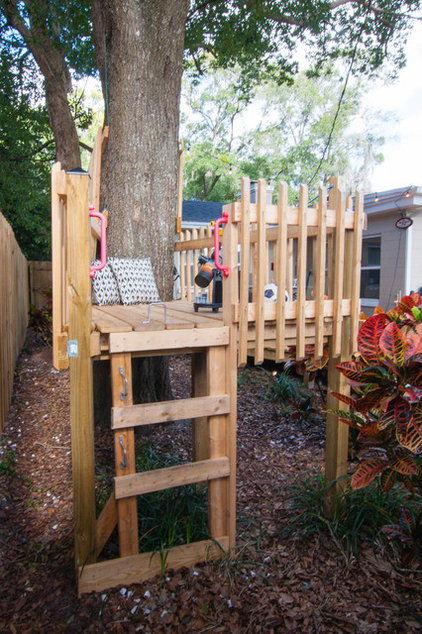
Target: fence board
column 13, row 311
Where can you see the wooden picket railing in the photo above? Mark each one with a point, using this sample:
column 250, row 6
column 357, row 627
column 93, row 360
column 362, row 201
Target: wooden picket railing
column 301, row 251
column 14, row 307
column 188, row 248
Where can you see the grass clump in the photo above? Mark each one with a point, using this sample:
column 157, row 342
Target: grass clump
column 359, row 515
column 165, row 518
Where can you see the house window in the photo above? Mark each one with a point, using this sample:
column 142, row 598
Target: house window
column 370, row 271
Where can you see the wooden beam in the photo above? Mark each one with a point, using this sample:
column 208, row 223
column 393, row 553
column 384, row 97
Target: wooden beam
column 81, row 397
column 165, row 411
column 301, row 272
column 281, row 270
column 292, row 215
column 291, row 310
column 168, row 340
column 106, row 522
column 139, row 568
column 244, row 271
column 168, row 477
column 124, row 453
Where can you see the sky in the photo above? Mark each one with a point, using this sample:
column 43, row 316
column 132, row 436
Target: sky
column 402, row 164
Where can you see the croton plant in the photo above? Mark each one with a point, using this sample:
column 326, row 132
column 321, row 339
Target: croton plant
column 386, row 396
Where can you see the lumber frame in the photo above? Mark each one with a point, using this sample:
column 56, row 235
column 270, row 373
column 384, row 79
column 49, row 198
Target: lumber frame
column 81, row 388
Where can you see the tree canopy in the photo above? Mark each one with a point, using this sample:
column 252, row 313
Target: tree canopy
column 261, row 36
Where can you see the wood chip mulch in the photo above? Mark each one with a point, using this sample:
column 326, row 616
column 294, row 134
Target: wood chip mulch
column 269, row 585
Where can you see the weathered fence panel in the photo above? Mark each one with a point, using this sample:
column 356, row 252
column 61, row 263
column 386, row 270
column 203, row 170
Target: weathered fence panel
column 40, row 283
column 14, row 306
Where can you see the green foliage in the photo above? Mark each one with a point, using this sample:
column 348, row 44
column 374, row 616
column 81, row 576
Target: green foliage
column 166, row 518
column 7, row 464
column 26, row 151
column 286, row 388
column 273, row 132
column 359, row 515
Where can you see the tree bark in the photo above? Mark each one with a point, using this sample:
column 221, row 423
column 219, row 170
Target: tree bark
column 52, row 64
column 139, row 48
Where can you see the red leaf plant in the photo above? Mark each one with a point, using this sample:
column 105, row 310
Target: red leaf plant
column 386, row 399
column 386, row 407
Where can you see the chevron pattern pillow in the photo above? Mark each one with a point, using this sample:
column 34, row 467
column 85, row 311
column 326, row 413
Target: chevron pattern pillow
column 135, row 280
column 104, row 286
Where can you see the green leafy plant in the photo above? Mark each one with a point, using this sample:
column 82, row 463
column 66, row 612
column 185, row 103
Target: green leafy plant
column 7, row 465
column 386, row 399
column 358, row 515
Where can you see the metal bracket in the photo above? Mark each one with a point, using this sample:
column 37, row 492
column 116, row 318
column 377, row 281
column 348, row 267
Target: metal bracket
column 149, row 312
column 123, row 463
column 125, row 393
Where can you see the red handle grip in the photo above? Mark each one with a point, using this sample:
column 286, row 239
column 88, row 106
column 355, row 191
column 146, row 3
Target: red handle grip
column 103, row 261
column 218, row 222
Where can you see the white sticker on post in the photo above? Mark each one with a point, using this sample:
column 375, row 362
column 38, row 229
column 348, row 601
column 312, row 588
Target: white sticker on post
column 72, row 348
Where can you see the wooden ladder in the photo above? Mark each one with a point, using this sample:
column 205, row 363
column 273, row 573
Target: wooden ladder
column 211, row 408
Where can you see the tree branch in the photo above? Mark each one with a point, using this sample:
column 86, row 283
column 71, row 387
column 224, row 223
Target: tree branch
column 18, row 159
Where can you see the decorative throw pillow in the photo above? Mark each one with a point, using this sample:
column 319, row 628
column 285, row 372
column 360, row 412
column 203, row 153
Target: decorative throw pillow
column 104, row 286
column 135, row 279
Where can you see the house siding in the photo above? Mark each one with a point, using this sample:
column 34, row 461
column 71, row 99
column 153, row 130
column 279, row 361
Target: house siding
column 415, row 271
column 393, row 250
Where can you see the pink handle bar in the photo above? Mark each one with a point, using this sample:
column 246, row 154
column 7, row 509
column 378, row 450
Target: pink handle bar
column 103, row 262
column 218, row 222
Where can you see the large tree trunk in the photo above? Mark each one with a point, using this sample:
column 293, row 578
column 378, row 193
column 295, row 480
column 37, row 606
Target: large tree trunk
column 51, row 61
column 139, row 48
column 141, row 70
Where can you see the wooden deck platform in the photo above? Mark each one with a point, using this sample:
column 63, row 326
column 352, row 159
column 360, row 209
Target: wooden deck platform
column 111, row 326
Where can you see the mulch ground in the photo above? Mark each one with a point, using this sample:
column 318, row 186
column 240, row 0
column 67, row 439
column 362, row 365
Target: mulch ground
column 271, row 584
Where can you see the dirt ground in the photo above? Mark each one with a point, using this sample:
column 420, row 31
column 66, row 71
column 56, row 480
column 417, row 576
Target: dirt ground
column 271, row 584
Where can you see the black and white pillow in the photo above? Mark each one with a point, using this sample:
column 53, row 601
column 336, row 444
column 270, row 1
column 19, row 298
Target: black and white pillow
column 104, row 286
column 135, row 279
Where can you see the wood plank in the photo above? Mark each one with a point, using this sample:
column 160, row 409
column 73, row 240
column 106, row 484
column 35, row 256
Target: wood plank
column 191, row 244
column 301, row 272
column 217, row 490
column 319, row 276
column 262, row 265
column 292, row 215
column 169, row 477
column 281, row 269
column 124, row 453
column 290, row 250
column 165, row 411
column 56, row 252
column 244, row 271
column 168, row 340
column 81, row 397
column 139, row 568
column 356, row 271
column 230, row 294
column 106, row 323
column 290, row 309
column 188, row 270
column 182, row 271
column 106, row 522
column 338, row 265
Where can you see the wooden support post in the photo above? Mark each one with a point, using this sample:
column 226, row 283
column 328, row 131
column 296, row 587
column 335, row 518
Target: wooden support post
column 200, row 442
column 337, row 435
column 124, row 451
column 81, row 398
column 301, row 272
column 244, row 271
column 230, row 295
column 217, row 489
column 262, row 264
column 281, row 271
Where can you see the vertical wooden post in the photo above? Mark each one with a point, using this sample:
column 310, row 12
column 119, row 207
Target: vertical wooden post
column 124, row 452
column 301, row 272
column 217, row 489
column 230, row 296
column 337, row 437
column 244, row 271
column 81, row 399
column 281, row 271
column 262, row 264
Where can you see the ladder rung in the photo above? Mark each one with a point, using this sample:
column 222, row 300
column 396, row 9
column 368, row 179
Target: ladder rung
column 165, row 411
column 179, row 475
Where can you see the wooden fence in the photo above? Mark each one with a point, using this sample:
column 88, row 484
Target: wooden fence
column 14, row 306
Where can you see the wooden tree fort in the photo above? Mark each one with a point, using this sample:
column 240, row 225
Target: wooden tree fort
column 325, row 238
